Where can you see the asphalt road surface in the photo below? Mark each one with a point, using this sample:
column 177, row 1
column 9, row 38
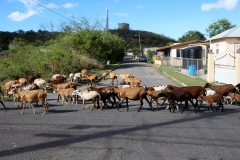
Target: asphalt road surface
column 68, row 132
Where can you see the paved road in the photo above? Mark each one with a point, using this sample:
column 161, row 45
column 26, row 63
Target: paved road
column 68, row 132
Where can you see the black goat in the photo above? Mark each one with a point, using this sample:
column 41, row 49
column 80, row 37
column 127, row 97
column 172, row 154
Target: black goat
column 178, row 96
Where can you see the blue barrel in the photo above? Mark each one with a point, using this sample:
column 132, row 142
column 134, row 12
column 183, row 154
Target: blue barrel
column 191, row 70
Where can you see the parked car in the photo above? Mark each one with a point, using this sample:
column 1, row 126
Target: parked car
column 142, row 59
column 134, row 55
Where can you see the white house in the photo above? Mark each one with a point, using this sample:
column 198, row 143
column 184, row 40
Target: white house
column 224, row 57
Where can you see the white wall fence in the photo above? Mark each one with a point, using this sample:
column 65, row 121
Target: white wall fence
column 187, row 66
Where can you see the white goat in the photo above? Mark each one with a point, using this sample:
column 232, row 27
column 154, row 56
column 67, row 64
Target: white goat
column 41, row 83
column 86, row 96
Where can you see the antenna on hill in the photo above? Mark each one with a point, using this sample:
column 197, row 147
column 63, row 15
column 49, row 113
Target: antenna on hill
column 107, row 21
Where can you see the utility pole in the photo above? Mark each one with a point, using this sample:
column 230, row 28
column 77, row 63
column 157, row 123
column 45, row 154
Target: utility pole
column 107, row 21
column 139, row 43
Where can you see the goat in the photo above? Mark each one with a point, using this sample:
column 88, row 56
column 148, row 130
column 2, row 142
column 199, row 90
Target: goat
column 31, row 79
column 212, row 98
column 7, row 87
column 41, row 83
column 77, row 77
column 1, row 93
column 222, row 89
column 57, row 80
column 84, row 73
column 92, row 79
column 154, row 97
column 196, row 91
column 86, row 96
column 133, row 93
column 181, row 95
column 123, row 77
column 3, row 104
column 61, row 86
column 105, row 94
column 133, row 81
column 113, row 76
column 65, row 93
column 105, row 74
column 237, row 86
column 71, row 75
column 234, row 96
column 159, row 88
column 32, row 96
column 22, row 81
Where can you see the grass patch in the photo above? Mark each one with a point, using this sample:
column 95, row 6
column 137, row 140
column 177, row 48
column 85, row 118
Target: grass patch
column 182, row 78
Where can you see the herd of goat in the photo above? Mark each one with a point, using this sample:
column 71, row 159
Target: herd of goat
column 33, row 90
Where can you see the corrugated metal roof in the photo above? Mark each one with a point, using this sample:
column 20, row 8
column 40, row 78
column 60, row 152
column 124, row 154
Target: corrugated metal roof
column 180, row 44
column 233, row 32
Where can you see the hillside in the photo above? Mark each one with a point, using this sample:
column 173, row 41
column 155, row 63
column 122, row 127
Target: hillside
column 148, row 39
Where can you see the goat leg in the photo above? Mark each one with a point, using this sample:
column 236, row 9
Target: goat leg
column 3, row 104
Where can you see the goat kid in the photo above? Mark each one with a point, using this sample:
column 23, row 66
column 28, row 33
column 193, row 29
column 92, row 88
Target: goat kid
column 218, row 98
column 179, row 96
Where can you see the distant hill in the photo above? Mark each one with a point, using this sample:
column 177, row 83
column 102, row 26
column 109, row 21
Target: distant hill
column 148, row 39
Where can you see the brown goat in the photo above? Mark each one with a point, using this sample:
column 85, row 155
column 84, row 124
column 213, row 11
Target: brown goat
column 65, row 93
column 105, row 74
column 123, row 77
column 235, row 97
column 154, row 96
column 133, row 93
column 62, row 85
column 92, row 79
column 32, row 96
column 179, row 96
column 31, row 79
column 84, row 73
column 22, row 81
column 222, row 89
column 113, row 76
column 133, row 81
column 218, row 98
column 196, row 91
column 104, row 93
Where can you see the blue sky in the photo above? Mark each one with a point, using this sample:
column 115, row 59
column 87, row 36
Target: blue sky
column 172, row 18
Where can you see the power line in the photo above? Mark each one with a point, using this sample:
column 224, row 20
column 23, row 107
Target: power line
column 63, row 9
column 53, row 11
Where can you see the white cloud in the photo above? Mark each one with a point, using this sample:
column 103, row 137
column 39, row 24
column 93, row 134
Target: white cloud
column 225, row 4
column 122, row 14
column 18, row 16
column 139, row 6
column 32, row 8
column 69, row 5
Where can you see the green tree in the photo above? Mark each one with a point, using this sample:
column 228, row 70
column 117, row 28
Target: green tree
column 218, row 27
column 192, row 35
column 150, row 56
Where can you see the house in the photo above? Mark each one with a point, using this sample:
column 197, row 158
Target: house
column 175, row 55
column 224, row 57
column 153, row 49
column 176, row 49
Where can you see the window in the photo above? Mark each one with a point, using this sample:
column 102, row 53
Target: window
column 237, row 48
column 179, row 53
column 217, row 48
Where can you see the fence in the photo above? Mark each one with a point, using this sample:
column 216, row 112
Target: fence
column 188, row 66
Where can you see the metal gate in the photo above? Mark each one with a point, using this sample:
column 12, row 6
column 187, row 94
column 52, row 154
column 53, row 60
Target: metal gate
column 225, row 67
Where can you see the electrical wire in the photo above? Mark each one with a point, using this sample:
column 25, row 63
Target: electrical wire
column 53, row 11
